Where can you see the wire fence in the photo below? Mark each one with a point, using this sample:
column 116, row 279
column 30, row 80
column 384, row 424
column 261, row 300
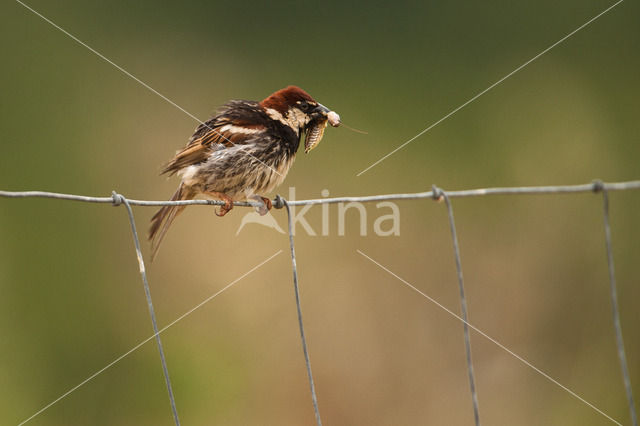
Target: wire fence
column 435, row 193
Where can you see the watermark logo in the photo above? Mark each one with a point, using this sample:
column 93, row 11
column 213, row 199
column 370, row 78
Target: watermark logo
column 385, row 216
column 267, row 220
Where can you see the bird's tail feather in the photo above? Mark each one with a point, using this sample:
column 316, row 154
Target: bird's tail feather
column 161, row 221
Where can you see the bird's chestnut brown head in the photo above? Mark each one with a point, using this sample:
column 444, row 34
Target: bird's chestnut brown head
column 296, row 109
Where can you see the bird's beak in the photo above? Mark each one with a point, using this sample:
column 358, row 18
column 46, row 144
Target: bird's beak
column 332, row 116
column 321, row 109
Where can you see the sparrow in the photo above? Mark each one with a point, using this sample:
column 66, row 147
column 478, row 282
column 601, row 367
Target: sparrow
column 243, row 152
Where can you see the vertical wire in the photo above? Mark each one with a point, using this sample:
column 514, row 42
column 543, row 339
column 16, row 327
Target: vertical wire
column 614, row 305
column 314, row 398
column 117, row 199
column 463, row 303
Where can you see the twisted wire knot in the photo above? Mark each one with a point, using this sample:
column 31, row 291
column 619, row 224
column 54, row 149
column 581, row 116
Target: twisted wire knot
column 117, row 198
column 278, row 202
column 436, row 193
column 598, row 186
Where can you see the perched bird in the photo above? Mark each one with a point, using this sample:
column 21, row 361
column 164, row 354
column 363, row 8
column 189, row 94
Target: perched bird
column 243, row 152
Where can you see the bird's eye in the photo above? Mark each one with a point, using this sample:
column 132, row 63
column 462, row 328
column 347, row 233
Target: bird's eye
column 304, row 106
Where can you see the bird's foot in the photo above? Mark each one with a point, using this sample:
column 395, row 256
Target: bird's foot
column 266, row 205
column 226, row 207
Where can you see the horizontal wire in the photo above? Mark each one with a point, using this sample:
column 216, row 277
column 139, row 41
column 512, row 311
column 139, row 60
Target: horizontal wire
column 116, row 199
column 595, row 186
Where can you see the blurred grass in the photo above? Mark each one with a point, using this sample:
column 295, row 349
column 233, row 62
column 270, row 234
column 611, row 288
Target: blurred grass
column 535, row 267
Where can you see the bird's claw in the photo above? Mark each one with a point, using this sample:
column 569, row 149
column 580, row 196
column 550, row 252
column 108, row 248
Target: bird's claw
column 224, row 209
column 265, row 206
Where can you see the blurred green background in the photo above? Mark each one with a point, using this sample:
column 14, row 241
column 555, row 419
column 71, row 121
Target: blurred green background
column 535, row 267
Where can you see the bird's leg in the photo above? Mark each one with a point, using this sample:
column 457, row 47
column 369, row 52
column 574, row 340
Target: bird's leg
column 266, row 204
column 228, row 203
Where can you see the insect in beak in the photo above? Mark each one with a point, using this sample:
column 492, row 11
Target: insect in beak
column 315, row 130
